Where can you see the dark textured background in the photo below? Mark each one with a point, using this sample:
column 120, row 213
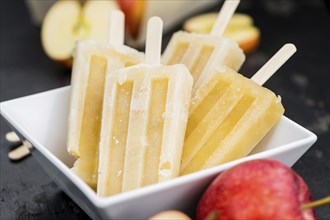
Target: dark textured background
column 27, row 192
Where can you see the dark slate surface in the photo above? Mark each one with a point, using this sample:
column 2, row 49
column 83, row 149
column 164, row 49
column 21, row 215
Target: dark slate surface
column 27, row 192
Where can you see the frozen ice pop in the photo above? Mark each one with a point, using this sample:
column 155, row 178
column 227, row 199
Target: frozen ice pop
column 91, row 63
column 230, row 114
column 144, row 119
column 201, row 53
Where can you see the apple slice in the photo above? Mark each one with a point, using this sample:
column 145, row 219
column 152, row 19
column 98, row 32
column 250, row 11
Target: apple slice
column 69, row 21
column 248, row 37
column 240, row 29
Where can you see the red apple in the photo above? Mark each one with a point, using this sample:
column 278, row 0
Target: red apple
column 259, row 189
column 134, row 10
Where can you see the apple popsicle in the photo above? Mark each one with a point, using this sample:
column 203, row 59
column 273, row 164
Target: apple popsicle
column 145, row 114
column 230, row 114
column 200, row 53
column 91, row 62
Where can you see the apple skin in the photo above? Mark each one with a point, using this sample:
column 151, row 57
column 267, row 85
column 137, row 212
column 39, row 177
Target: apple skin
column 258, row 189
column 134, row 11
column 250, row 45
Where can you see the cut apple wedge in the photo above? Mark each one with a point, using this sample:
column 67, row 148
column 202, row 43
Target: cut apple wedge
column 240, row 29
column 247, row 37
column 69, row 21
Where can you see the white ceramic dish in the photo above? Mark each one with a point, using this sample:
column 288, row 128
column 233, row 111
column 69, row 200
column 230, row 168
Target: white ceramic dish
column 42, row 119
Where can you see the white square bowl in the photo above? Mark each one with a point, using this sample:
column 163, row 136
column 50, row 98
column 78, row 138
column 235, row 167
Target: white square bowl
column 42, row 120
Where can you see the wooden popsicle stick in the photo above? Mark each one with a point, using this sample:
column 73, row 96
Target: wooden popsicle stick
column 12, row 137
column 225, row 13
column 154, row 40
column 116, row 28
column 273, row 64
column 21, row 151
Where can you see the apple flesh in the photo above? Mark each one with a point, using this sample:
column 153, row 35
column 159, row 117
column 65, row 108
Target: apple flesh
column 259, row 189
column 69, row 21
column 170, row 215
column 240, row 28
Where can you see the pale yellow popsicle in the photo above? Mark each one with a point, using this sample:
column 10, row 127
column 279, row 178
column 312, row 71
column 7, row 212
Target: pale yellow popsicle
column 228, row 116
column 201, row 53
column 144, row 120
column 145, row 116
column 91, row 63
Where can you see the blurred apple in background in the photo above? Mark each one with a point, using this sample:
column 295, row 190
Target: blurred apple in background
column 134, row 11
column 69, row 21
column 240, row 29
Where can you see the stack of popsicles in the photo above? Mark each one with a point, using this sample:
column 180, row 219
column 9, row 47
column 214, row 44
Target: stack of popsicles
column 127, row 125
column 145, row 115
column 134, row 126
